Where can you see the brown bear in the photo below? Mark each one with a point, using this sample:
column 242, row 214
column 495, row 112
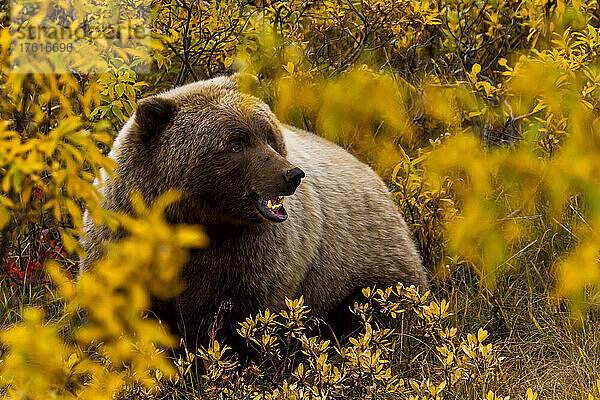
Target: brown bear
column 235, row 163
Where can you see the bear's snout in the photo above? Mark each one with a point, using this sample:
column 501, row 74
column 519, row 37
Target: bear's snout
column 293, row 177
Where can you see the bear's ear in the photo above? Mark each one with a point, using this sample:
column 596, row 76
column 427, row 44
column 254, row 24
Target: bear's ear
column 153, row 113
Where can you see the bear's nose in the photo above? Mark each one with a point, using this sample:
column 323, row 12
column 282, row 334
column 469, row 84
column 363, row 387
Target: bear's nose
column 293, row 176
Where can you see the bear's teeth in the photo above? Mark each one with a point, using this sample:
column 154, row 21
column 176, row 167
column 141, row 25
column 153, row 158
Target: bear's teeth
column 276, row 206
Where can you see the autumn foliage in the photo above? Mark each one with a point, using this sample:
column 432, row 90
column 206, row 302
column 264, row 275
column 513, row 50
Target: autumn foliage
column 483, row 117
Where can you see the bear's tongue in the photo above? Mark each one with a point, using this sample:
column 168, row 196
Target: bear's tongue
column 272, row 208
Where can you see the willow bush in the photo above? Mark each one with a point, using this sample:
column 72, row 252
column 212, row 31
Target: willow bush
column 482, row 116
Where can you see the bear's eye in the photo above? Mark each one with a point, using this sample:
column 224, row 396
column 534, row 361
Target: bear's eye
column 237, row 148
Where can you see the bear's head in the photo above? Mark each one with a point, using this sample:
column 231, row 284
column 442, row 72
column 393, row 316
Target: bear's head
column 223, row 149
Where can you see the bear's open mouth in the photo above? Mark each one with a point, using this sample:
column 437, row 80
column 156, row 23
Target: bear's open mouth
column 272, row 208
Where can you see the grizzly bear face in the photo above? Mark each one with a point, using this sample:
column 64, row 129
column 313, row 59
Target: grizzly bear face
column 221, row 148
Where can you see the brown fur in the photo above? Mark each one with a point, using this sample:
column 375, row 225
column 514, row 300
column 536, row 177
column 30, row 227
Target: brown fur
column 343, row 231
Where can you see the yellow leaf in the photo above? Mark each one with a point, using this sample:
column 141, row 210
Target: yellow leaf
column 482, row 334
column 71, row 244
column 531, row 395
column 289, row 67
column 4, row 217
column 191, row 237
column 72, row 360
column 539, row 106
